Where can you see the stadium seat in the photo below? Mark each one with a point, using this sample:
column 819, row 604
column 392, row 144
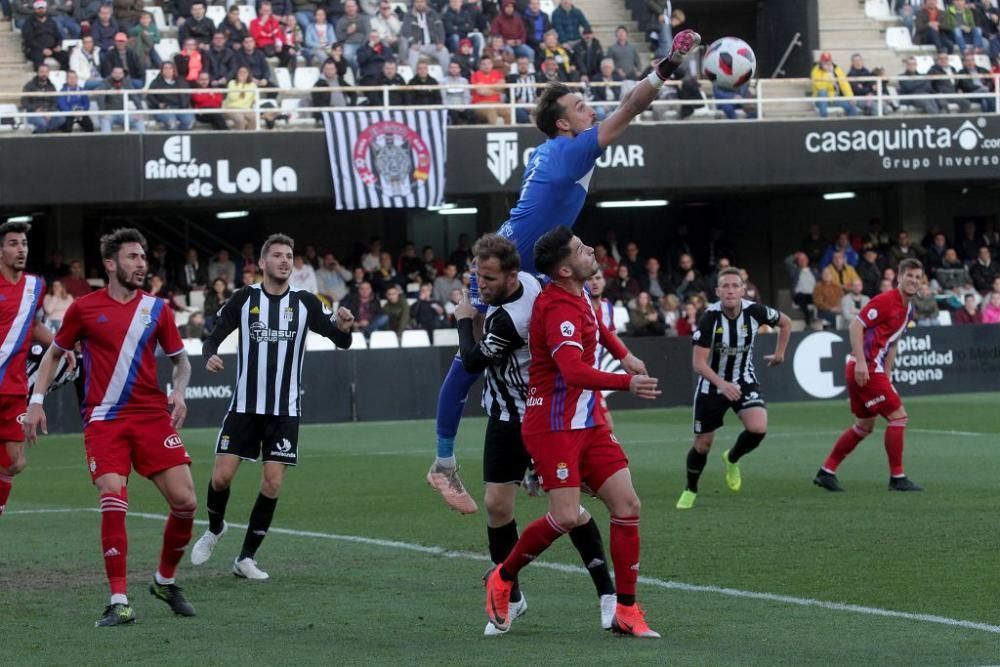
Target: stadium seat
column 358, row 341
column 58, row 78
column 247, row 14
column 181, row 317
column 898, row 38
column 231, row 344
column 10, row 119
column 159, row 19
column 167, row 48
column 924, row 63
column 193, row 347
column 412, row 289
column 306, row 77
column 316, row 342
column 400, row 7
column 150, row 75
column 621, row 319
column 415, row 338
column 944, row 318
column 436, row 72
column 548, row 6
column 70, row 44
column 283, row 77
column 196, row 299
column 381, row 340
column 955, row 62
column 982, row 60
column 446, row 338
column 406, row 72
column 217, row 13
column 877, row 9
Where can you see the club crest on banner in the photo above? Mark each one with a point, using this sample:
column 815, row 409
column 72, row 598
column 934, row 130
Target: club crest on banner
column 384, row 156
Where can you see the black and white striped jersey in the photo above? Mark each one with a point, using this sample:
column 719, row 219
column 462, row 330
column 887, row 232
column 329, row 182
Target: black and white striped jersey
column 63, row 374
column 731, row 341
column 503, row 351
column 272, row 342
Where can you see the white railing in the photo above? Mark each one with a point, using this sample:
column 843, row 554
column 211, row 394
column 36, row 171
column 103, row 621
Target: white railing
column 883, row 101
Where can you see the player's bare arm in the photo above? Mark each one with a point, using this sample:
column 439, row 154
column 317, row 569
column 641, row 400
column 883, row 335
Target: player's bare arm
column 182, row 376
column 784, row 334
column 701, row 366
column 35, row 420
column 857, row 334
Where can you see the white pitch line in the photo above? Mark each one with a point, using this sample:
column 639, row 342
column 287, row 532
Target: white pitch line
column 574, row 569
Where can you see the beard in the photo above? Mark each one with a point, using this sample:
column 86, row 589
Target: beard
column 123, row 279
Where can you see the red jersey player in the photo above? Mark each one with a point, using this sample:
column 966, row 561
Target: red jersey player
column 126, row 416
column 20, row 296
column 873, row 338
column 565, row 430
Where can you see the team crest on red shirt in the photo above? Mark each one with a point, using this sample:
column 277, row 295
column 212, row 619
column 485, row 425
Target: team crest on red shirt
column 562, row 472
column 567, row 328
column 872, row 314
column 92, row 464
column 146, row 316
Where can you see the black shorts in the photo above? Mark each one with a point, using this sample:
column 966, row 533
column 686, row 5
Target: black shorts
column 269, row 437
column 709, row 409
column 504, row 457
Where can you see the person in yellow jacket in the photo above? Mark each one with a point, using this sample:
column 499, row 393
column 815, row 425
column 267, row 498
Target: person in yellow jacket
column 240, row 100
column 830, row 81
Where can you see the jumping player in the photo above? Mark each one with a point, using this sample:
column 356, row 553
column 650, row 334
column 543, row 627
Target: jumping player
column 873, row 338
column 128, row 420
column 566, row 434
column 20, row 297
column 723, row 359
column 553, row 191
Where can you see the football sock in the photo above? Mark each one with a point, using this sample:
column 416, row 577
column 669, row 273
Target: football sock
column 535, row 539
column 5, row 486
column 894, row 446
column 746, row 443
column 176, row 535
column 260, row 521
column 216, row 503
column 625, row 555
column 695, row 466
column 845, row 444
column 114, row 539
column 451, row 402
column 587, row 540
column 502, row 541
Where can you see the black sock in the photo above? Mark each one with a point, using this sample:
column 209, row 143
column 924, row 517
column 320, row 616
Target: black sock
column 746, row 443
column 626, row 600
column 587, row 540
column 695, row 465
column 260, row 521
column 502, row 541
column 216, row 503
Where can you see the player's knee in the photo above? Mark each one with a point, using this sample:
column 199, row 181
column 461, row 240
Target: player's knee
column 221, row 481
column 270, row 486
column 568, row 518
column 185, row 502
column 16, row 466
column 702, row 446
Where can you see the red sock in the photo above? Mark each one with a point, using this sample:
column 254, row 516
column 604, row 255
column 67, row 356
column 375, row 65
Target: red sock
column 534, row 539
column 845, row 444
column 5, row 485
column 114, row 540
column 176, row 535
column 894, row 446
column 625, row 553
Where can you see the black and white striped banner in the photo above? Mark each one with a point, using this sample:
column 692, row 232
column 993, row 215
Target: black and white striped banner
column 387, row 158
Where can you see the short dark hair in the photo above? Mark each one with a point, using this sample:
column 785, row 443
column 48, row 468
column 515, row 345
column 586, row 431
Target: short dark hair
column 552, row 249
column 14, row 228
column 729, row 271
column 490, row 246
column 276, row 239
column 112, row 243
column 548, row 110
column 909, row 264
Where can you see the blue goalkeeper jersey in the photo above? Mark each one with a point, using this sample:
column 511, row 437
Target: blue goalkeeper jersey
column 553, row 191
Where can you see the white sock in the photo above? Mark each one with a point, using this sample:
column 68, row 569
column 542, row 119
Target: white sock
column 118, row 598
column 446, row 462
column 160, row 579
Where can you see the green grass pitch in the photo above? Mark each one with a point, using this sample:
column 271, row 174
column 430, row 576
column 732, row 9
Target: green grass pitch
column 368, row 567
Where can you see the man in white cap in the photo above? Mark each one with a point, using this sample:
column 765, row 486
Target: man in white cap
column 41, row 38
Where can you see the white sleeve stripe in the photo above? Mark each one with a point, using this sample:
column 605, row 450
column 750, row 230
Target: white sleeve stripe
column 572, row 343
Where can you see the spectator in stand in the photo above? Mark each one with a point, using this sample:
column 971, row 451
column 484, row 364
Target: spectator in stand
column 266, row 30
column 803, row 279
column 486, row 83
column 959, row 22
column 853, row 301
column 980, row 83
column 907, row 10
column 219, row 61
column 461, row 256
column 303, row 276
column 904, row 249
column 76, row 282
column 195, row 327
column 465, row 57
column 239, row 102
column 329, row 78
column 843, row 273
column 127, row 12
column 56, row 303
column 501, row 54
column 292, row 41
column 424, row 98
column 925, row 306
column 428, row 313
column 623, row 287
column 827, row 296
column 645, row 318
column 587, row 56
column 40, row 83
column 41, row 39
column 670, row 312
column 222, row 267
column 320, row 38
column 870, row 271
column 864, row 91
column 74, row 100
column 984, row 270
column 388, row 26
column 688, row 323
column 371, row 58
column 928, row 29
column 85, row 60
column 625, row 57
column 390, row 78
column 146, row 36
column 990, row 313
column 56, row 267
column 433, row 266
column 385, row 276
column 304, row 12
column 635, row 262
column 522, row 86
column 423, row 33
column 368, row 315
column 255, row 61
column 813, row 244
column 104, row 29
column 946, row 84
column 397, row 309
column 118, row 82
column 458, row 96
column 172, row 103
column 459, row 24
column 551, row 72
column 332, row 279
column 122, row 56
column 607, row 263
column 653, row 280
column 552, row 49
column 208, row 100
column 536, row 23
column 188, row 61
column 740, row 93
column 953, row 273
column 445, row 283
column 968, row 313
column 234, row 29
column 451, row 304
column 828, row 83
column 200, row 28
column 194, row 274
column 935, row 253
column 370, row 260
column 217, row 297
column 687, row 280
column 569, row 22
column 509, row 24
column 61, row 13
